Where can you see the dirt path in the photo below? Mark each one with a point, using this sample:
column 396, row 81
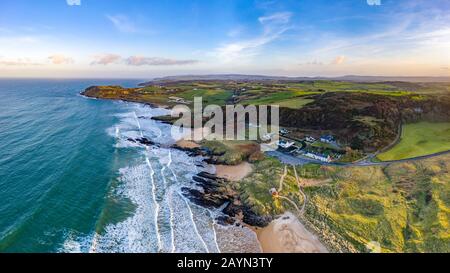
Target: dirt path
column 305, row 198
column 300, row 211
column 280, row 188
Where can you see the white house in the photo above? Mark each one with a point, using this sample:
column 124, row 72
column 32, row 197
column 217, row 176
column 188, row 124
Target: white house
column 178, row 100
column 318, row 157
column 285, row 144
column 327, row 139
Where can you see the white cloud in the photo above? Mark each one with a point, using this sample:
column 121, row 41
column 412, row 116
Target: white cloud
column 279, row 18
column 155, row 61
column 374, row 2
column 73, row 2
column 60, row 59
column 273, row 27
column 122, row 23
column 106, row 59
column 314, row 62
column 18, row 62
column 339, row 60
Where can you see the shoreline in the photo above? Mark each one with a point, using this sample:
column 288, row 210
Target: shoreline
column 284, row 234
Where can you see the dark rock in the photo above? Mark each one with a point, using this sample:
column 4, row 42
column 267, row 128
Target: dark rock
column 225, row 220
column 146, row 142
column 216, row 192
column 208, row 200
column 207, row 175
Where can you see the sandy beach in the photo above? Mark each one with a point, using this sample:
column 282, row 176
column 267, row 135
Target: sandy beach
column 287, row 235
column 234, row 173
column 237, row 239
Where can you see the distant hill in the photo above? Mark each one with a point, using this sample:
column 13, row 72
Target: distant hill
column 391, row 79
column 240, row 77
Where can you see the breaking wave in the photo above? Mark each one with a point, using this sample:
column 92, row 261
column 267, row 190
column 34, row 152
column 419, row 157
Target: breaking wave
column 162, row 219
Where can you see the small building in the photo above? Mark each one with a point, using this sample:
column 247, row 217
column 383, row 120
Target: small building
column 285, row 144
column 178, row 100
column 310, row 139
column 327, row 139
column 319, row 157
column 273, row 192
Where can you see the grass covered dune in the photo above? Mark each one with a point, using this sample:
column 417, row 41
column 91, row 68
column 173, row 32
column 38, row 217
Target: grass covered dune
column 419, row 139
column 401, row 207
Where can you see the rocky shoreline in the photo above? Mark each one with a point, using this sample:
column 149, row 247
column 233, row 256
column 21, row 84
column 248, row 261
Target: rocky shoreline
column 215, row 192
column 218, row 192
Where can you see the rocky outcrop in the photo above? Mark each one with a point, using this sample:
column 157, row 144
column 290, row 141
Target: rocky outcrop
column 144, row 141
column 217, row 192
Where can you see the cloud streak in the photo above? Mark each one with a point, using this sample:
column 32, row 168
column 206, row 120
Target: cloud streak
column 73, row 2
column 273, row 25
column 18, row 62
column 339, row 60
column 59, row 59
column 122, row 23
column 155, row 61
column 106, row 59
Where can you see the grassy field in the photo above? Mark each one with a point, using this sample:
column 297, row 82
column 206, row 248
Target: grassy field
column 210, row 96
column 232, row 152
column 405, row 207
column 295, row 103
column 255, row 189
column 420, row 139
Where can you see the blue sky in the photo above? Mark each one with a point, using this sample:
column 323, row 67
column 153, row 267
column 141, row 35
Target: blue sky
column 145, row 38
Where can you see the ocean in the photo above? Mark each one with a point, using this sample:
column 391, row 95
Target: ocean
column 71, row 181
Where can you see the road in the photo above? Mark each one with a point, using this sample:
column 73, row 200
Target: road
column 296, row 161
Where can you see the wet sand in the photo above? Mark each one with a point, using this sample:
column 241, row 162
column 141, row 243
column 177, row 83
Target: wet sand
column 237, row 239
column 234, row 173
column 287, row 235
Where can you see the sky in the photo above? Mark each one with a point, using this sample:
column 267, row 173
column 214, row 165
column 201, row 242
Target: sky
column 152, row 38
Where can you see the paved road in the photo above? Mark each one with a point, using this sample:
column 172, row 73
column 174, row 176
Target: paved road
column 293, row 160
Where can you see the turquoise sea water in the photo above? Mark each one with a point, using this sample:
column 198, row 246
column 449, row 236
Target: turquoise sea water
column 55, row 162
column 72, row 181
